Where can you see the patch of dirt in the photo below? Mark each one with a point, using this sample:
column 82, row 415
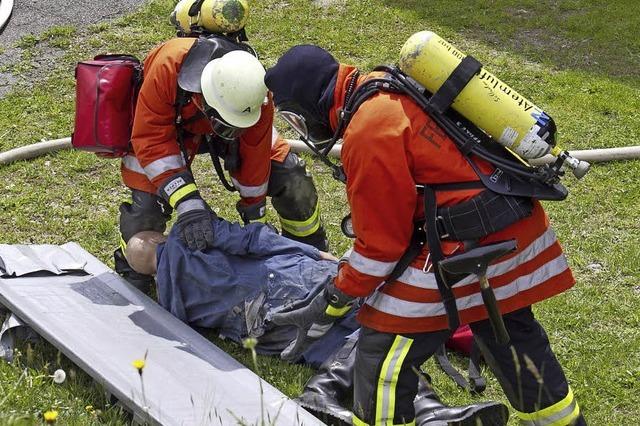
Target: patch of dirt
column 327, row 3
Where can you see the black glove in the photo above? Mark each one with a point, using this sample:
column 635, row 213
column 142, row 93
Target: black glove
column 196, row 228
column 313, row 318
column 195, row 217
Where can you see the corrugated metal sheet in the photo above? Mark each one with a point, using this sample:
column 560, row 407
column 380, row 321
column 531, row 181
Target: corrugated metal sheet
column 103, row 324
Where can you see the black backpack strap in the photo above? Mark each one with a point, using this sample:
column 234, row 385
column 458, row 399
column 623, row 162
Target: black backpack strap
column 477, row 383
column 214, row 153
column 443, row 361
column 453, row 85
column 418, row 240
column 182, row 98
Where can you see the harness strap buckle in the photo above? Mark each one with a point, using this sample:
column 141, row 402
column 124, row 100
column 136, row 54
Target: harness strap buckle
column 442, row 230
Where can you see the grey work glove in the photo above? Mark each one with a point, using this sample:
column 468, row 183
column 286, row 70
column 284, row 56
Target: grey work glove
column 313, row 319
column 195, row 228
column 195, row 217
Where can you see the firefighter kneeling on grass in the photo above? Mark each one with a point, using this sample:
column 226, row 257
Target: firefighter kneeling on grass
column 389, row 145
column 205, row 93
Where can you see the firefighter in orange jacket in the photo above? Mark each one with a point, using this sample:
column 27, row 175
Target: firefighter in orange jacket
column 389, row 145
column 226, row 101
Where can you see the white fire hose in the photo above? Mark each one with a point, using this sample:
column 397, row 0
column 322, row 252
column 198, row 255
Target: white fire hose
column 6, row 7
column 590, row 155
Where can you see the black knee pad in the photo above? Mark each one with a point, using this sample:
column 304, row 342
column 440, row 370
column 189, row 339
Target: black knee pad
column 291, row 188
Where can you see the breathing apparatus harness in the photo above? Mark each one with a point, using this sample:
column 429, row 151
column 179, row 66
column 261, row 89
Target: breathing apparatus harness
column 508, row 191
column 222, row 143
column 512, row 175
column 507, row 196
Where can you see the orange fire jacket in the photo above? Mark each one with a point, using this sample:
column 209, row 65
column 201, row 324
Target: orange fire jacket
column 390, row 146
column 156, row 154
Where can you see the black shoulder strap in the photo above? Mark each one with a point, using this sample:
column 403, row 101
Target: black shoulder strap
column 418, row 240
column 518, row 178
column 436, row 255
column 182, row 98
column 215, row 159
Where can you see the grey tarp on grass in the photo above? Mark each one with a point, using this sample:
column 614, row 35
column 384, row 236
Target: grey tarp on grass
column 103, row 324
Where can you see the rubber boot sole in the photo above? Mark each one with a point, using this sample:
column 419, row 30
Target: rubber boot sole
column 482, row 414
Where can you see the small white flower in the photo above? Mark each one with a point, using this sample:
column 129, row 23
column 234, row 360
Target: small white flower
column 59, row 376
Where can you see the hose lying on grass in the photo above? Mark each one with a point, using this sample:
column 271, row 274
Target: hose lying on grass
column 6, row 8
column 591, row 155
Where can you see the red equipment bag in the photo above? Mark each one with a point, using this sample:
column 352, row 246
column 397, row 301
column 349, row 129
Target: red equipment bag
column 462, row 340
column 106, row 93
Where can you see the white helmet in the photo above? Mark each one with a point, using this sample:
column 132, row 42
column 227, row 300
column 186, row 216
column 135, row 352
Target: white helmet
column 214, row 16
column 234, row 86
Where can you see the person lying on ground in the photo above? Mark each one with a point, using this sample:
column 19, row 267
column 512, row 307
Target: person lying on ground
column 249, row 273
column 252, row 272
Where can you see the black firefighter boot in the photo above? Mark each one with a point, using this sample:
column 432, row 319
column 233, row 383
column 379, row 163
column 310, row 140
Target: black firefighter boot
column 142, row 282
column 431, row 412
column 325, row 393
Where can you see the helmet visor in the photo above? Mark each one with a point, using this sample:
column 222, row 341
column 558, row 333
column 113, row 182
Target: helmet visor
column 220, row 127
column 299, row 124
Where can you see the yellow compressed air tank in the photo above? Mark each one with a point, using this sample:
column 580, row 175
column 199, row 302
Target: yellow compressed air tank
column 486, row 101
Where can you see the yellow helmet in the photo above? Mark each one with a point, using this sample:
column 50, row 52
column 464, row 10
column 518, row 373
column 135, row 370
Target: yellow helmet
column 213, row 16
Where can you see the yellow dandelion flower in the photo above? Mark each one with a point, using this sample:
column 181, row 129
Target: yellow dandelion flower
column 50, row 416
column 138, row 364
column 88, row 408
column 250, row 343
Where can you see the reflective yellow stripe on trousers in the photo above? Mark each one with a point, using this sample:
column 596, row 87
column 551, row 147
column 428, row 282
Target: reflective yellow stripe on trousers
column 387, row 381
column 559, row 414
column 302, row 228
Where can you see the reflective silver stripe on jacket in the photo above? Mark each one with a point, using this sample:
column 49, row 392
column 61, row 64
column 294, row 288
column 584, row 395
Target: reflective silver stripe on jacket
column 164, row 164
column 418, row 278
column 274, row 136
column 130, row 162
column 523, row 283
column 537, row 246
column 250, row 191
column 402, row 308
column 156, row 168
column 369, row 266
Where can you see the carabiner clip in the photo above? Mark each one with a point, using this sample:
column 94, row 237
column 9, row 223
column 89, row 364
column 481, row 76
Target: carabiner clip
column 427, row 266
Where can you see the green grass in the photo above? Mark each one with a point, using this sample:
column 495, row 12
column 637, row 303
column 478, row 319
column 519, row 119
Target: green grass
column 579, row 60
column 57, row 36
